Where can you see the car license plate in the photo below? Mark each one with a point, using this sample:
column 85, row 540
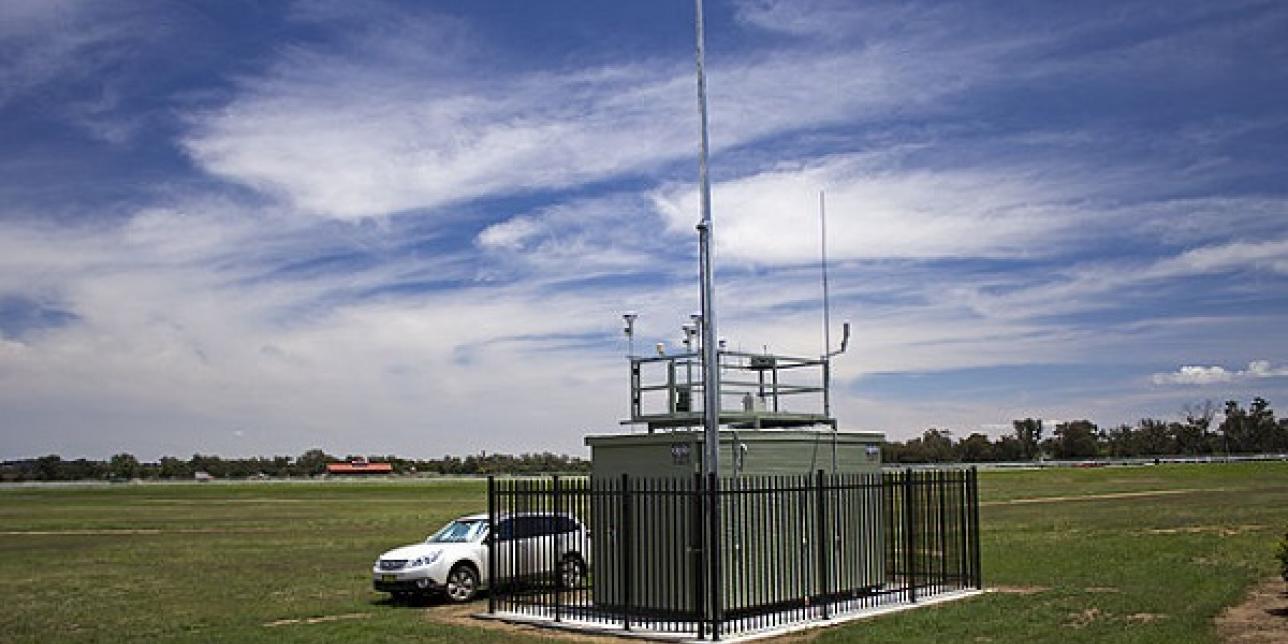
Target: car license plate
column 389, row 578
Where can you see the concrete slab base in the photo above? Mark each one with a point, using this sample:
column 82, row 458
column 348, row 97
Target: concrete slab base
column 616, row 630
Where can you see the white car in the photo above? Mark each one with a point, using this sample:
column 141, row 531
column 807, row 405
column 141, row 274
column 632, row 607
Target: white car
column 454, row 560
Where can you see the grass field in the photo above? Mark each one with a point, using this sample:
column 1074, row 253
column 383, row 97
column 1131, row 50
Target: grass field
column 1101, row 556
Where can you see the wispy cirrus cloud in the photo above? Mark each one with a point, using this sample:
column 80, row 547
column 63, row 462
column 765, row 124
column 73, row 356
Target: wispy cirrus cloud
column 431, row 126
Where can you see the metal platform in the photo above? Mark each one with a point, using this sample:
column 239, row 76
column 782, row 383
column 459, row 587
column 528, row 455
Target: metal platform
column 757, row 391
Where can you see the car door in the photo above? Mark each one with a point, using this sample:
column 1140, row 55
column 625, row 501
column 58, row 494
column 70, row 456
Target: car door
column 536, row 534
column 505, row 549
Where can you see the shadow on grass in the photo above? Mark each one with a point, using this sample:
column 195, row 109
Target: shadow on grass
column 424, row 601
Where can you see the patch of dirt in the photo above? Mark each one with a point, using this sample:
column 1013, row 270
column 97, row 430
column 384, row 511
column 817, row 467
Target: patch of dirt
column 794, row 638
column 317, row 620
column 463, row 615
column 1101, row 589
column 1261, row 618
column 1085, row 618
column 1018, row 590
column 1223, row 530
column 1145, row 618
column 1093, row 497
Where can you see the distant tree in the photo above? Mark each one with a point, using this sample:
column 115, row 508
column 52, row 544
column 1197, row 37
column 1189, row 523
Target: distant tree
column 1009, row 448
column 1029, row 433
column 1251, row 430
column 937, row 445
column 312, row 462
column 1262, row 428
column 1076, row 439
column 1194, row 436
column 212, row 465
column 1153, row 438
column 83, row 470
column 173, row 468
column 975, row 448
column 48, row 468
column 1118, row 442
column 1234, row 431
column 124, row 466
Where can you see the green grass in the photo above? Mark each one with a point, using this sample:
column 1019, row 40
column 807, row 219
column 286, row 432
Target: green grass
column 231, row 558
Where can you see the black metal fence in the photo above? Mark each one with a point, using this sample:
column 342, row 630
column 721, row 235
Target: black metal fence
column 650, row 554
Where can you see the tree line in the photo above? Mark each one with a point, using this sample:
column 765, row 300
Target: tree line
column 1241, row 431
column 125, row 466
column 1253, row 430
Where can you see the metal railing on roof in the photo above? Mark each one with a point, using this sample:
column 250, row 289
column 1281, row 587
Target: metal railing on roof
column 766, row 391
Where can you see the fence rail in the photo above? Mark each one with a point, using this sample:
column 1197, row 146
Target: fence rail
column 711, row 556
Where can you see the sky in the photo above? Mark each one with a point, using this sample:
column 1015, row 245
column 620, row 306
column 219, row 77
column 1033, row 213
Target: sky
column 252, row 228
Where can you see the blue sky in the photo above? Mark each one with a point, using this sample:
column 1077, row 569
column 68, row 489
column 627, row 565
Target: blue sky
column 247, row 228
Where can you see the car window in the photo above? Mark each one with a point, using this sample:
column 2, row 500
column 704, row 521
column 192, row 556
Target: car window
column 528, row 527
column 505, row 530
column 458, row 532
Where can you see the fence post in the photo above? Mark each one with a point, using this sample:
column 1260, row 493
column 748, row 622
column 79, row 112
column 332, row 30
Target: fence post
column 491, row 541
column 713, row 553
column 974, row 520
column 909, row 538
column 824, row 545
column 698, row 556
column 626, row 543
column 556, row 565
column 941, row 530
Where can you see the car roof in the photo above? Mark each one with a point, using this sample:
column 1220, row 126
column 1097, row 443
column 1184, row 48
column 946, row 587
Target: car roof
column 483, row 516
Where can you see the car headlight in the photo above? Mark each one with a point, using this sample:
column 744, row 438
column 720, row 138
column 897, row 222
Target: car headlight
column 425, row 560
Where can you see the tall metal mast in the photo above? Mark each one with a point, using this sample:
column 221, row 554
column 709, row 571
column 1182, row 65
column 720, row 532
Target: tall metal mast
column 710, row 348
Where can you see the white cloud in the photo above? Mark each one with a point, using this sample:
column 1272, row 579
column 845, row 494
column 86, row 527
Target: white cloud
column 390, row 124
column 509, row 234
column 179, row 340
column 1194, row 375
column 1103, row 284
column 1201, row 375
column 878, row 212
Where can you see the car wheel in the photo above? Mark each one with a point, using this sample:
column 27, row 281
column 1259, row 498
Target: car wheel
column 572, row 570
column 462, row 583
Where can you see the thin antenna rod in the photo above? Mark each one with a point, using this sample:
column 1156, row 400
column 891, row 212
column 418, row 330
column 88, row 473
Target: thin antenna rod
column 827, row 322
column 827, row 307
column 710, row 347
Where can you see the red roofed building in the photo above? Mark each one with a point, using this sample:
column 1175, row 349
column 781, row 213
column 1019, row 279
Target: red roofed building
column 359, row 468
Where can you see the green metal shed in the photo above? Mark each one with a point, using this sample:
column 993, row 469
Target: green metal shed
column 661, row 532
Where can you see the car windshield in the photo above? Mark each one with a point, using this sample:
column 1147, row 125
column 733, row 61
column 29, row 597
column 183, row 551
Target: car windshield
column 459, row 531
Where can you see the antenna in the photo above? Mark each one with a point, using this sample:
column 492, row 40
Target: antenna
column 822, row 260
column 827, row 325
